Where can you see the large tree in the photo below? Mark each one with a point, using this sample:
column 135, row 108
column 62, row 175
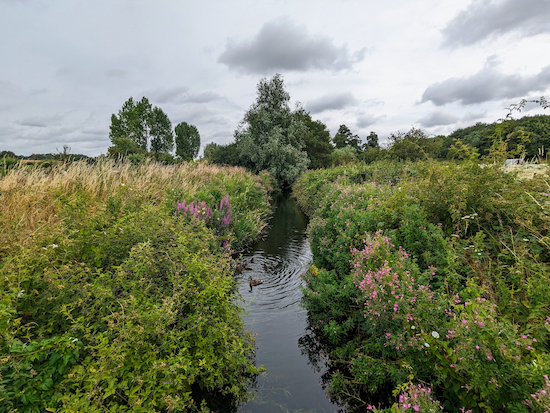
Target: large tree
column 147, row 127
column 316, row 140
column 162, row 138
column 188, row 141
column 344, row 137
column 270, row 136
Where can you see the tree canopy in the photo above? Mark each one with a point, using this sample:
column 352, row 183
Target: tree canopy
column 271, row 136
column 149, row 128
column 188, row 141
column 140, row 130
column 344, row 137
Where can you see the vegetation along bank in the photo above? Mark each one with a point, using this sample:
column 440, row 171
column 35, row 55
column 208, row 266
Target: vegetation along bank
column 430, row 286
column 116, row 286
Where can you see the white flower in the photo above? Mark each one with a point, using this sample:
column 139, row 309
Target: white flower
column 122, row 184
column 435, row 334
column 74, row 339
column 426, row 345
column 20, row 293
column 55, row 245
column 413, row 327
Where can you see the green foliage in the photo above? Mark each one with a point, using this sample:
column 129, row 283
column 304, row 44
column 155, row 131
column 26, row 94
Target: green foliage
column 316, row 139
column 344, row 137
column 146, row 127
column 6, row 163
column 371, row 142
column 271, row 137
column 346, row 155
column 188, row 141
column 462, row 152
column 439, row 277
column 482, row 136
column 114, row 303
column 412, row 146
column 162, row 138
column 223, row 154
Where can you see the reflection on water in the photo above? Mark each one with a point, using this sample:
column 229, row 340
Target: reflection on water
column 291, row 383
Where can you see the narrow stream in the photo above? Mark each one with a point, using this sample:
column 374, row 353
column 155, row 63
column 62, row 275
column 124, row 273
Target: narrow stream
column 290, row 383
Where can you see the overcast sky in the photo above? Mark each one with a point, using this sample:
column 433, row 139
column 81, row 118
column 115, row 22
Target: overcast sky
column 382, row 66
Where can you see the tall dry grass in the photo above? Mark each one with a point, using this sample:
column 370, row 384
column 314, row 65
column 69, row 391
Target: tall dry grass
column 29, row 196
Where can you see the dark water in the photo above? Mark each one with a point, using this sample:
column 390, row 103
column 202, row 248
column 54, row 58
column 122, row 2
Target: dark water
column 291, row 383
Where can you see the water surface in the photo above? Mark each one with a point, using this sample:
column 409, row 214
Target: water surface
column 290, row 383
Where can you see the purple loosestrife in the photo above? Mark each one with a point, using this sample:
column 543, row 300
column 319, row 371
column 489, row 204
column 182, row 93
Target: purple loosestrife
column 220, row 218
column 224, row 213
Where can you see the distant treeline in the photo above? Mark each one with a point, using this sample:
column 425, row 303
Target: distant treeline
column 40, row 156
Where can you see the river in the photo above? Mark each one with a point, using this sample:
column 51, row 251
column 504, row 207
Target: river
column 290, row 383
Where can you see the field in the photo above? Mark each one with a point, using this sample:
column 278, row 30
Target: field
column 116, row 287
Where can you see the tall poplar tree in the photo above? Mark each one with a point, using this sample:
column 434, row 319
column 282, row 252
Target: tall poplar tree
column 188, row 141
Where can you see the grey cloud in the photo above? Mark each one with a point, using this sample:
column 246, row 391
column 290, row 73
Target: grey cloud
column 181, row 95
column 368, row 119
column 41, row 121
column 98, row 132
column 116, row 73
column 438, row 118
column 68, row 72
column 484, row 19
column 204, row 97
column 167, row 95
column 41, row 91
column 488, row 84
column 331, row 102
column 202, row 116
column 8, row 90
column 471, row 116
column 283, row 45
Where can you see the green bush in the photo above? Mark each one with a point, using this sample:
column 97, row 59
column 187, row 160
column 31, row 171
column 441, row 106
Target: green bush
column 110, row 301
column 439, row 277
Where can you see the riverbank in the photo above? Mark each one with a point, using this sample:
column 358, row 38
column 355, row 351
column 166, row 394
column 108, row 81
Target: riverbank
column 117, row 290
column 430, row 279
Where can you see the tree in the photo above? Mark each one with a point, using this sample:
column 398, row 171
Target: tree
column 316, row 140
column 222, row 154
column 461, row 151
column 344, row 138
column 271, row 136
column 143, row 125
column 344, row 156
column 162, row 138
column 188, row 141
column 371, row 142
column 132, row 122
column 413, row 145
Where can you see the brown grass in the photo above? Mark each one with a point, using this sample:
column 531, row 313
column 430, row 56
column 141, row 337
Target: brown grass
column 28, row 195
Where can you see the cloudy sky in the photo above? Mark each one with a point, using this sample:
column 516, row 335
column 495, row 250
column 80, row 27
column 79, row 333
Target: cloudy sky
column 67, row 65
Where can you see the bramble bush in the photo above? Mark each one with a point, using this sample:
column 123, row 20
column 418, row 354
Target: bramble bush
column 433, row 280
column 112, row 302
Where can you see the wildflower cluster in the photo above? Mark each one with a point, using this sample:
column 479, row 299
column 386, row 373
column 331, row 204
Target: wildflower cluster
column 219, row 219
